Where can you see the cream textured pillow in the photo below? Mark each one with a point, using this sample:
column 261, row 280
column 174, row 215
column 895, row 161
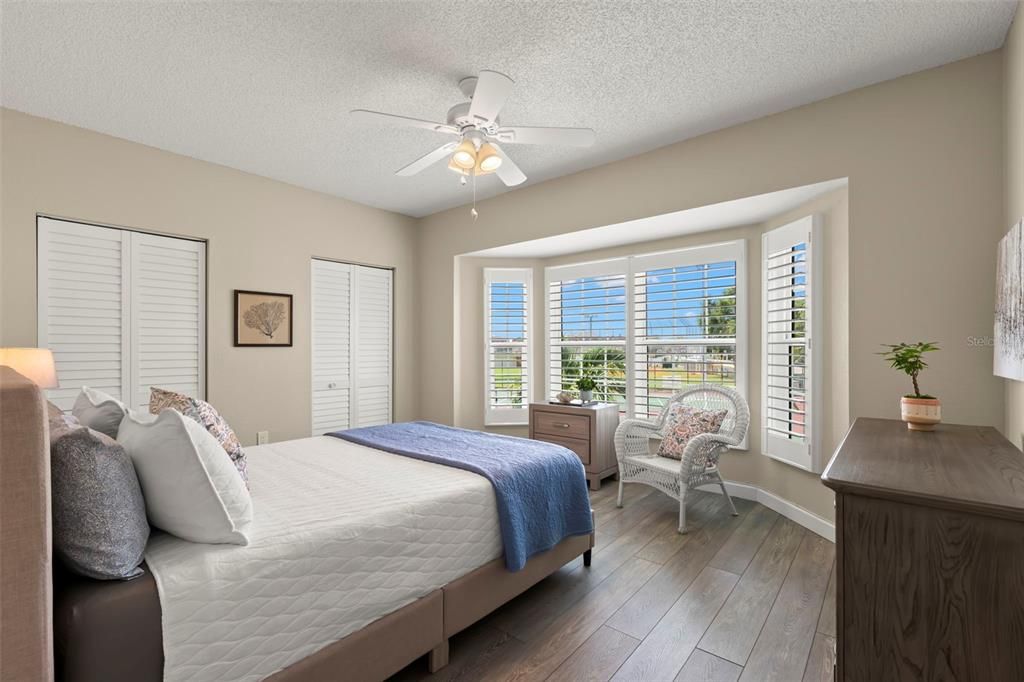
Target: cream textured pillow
column 99, row 411
column 192, row 490
column 685, row 422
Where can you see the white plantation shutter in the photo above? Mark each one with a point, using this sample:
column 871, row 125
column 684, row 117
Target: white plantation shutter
column 686, row 323
column 791, row 318
column 121, row 310
column 82, row 302
column 332, row 346
column 587, row 328
column 372, row 296
column 168, row 320
column 507, row 338
column 351, row 345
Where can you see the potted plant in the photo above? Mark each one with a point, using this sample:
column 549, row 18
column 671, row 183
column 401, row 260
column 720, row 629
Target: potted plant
column 920, row 410
column 586, row 386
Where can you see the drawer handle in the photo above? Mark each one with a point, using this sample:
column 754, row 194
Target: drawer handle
column 561, row 425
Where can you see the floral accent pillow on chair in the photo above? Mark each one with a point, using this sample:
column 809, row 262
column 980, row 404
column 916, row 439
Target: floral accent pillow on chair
column 685, row 422
column 204, row 413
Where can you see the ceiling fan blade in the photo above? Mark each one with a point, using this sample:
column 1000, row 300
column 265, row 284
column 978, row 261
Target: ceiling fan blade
column 492, row 89
column 428, row 159
column 508, row 172
column 567, row 137
column 403, row 121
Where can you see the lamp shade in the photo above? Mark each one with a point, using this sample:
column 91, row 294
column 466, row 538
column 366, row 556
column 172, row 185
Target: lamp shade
column 33, row 363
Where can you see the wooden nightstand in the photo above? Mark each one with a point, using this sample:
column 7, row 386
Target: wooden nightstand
column 587, row 431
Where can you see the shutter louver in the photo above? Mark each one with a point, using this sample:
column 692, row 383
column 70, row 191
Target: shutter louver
column 332, row 349
column 81, row 307
column 789, row 320
column 167, row 315
column 373, row 345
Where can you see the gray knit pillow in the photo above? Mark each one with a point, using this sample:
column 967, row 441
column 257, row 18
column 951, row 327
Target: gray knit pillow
column 99, row 516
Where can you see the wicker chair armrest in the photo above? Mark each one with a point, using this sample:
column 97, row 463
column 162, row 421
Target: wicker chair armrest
column 632, row 436
column 704, row 450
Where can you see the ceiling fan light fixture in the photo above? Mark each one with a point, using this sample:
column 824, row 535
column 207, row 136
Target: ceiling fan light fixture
column 465, row 156
column 488, row 159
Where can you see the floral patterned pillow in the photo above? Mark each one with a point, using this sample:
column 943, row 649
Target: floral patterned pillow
column 684, row 423
column 204, row 413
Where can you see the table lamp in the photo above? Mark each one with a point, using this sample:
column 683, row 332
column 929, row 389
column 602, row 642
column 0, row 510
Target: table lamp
column 34, row 363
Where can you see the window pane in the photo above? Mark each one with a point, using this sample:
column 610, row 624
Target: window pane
column 675, row 310
column 588, row 335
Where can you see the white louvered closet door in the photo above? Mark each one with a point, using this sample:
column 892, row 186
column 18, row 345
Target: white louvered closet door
column 373, row 312
column 82, row 301
column 332, row 348
column 167, row 316
column 121, row 310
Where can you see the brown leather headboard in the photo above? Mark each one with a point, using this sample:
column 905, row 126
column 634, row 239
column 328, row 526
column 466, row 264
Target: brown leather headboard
column 26, row 640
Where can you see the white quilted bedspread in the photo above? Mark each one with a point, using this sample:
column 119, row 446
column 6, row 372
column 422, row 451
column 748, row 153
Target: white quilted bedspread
column 342, row 535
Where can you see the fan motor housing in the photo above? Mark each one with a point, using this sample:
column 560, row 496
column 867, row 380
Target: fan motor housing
column 459, row 117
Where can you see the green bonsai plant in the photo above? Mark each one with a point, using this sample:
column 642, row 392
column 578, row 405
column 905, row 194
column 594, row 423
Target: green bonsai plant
column 586, row 384
column 909, row 359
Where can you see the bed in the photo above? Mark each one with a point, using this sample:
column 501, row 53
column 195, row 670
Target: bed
column 361, row 562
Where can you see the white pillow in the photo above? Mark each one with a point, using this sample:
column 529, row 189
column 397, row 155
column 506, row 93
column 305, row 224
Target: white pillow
column 192, row 490
column 99, row 411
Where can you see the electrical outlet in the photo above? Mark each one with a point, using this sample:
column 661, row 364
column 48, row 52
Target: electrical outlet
column 262, row 437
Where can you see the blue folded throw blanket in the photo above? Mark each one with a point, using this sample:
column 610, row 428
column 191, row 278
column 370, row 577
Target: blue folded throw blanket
column 540, row 487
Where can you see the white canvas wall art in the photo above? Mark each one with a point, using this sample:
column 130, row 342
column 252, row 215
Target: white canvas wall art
column 1009, row 326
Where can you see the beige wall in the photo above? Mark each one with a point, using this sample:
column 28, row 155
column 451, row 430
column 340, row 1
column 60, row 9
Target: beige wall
column 750, row 466
column 261, row 235
column 923, row 155
column 1013, row 65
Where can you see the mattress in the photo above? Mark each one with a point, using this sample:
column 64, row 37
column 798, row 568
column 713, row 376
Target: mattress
column 342, row 535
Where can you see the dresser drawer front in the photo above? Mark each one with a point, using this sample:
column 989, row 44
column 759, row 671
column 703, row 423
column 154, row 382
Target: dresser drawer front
column 580, row 447
column 562, row 425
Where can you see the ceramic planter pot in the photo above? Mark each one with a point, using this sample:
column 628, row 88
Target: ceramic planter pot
column 586, row 396
column 921, row 414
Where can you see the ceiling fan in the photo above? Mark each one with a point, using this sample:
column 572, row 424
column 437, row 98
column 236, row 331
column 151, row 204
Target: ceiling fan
column 476, row 125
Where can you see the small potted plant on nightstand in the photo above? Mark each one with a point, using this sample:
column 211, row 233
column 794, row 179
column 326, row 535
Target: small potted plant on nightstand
column 920, row 410
column 586, row 386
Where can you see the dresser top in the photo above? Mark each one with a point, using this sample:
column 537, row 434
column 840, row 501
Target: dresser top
column 970, row 468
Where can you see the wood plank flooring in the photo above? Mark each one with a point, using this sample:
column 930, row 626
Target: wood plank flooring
column 748, row 597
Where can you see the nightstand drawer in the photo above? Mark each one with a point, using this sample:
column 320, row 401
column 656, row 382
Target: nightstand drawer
column 562, row 425
column 580, row 447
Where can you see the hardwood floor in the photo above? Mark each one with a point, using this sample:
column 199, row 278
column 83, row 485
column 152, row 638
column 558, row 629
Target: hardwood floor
column 748, row 597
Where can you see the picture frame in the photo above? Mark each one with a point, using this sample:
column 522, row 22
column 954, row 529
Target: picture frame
column 263, row 319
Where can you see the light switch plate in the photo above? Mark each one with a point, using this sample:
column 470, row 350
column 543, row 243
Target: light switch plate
column 262, row 437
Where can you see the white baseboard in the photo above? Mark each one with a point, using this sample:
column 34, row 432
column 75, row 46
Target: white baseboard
column 793, row 512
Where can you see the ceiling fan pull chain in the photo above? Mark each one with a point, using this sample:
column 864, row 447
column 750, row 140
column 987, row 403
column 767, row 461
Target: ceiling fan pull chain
column 472, row 211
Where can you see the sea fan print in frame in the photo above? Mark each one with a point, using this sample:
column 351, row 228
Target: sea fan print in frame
column 1009, row 328
column 263, row 319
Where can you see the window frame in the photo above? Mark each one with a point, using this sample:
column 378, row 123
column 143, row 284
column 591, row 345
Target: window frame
column 628, row 267
column 508, row 416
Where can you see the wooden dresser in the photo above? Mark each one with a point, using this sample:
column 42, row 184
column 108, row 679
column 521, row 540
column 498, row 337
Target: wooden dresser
column 929, row 554
column 587, row 431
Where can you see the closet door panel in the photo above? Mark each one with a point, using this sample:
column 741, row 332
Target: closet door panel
column 373, row 345
column 168, row 316
column 331, row 336
column 82, row 299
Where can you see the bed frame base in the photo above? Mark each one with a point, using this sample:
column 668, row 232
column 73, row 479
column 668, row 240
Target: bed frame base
column 438, row 657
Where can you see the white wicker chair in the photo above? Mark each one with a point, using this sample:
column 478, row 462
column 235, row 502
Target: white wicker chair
column 699, row 465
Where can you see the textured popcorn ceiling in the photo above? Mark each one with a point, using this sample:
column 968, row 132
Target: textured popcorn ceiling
column 266, row 88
